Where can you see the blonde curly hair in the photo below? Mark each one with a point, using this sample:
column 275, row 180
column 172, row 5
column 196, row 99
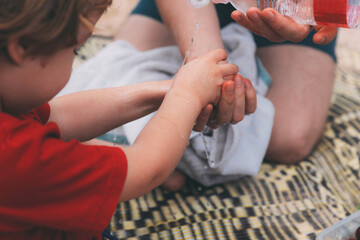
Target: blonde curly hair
column 44, row 26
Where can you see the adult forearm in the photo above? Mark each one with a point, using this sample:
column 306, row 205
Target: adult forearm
column 181, row 18
column 88, row 114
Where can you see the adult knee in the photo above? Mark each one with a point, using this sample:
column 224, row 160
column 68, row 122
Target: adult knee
column 148, row 34
column 293, row 146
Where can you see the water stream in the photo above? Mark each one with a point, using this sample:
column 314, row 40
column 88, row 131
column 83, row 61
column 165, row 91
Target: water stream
column 211, row 163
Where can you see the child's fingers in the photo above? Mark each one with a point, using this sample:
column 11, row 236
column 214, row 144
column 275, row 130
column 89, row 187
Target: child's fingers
column 239, row 110
column 218, row 55
column 229, row 77
column 212, row 123
column 203, row 118
column 228, row 69
column 250, row 97
column 226, row 104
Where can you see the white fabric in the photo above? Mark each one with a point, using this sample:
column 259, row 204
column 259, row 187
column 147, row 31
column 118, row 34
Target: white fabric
column 237, row 150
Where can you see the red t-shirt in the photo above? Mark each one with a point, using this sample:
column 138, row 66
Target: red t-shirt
column 52, row 189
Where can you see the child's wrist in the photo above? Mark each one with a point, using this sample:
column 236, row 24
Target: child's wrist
column 189, row 96
column 201, row 51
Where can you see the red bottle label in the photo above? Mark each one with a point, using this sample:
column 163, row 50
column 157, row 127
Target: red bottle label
column 331, row 12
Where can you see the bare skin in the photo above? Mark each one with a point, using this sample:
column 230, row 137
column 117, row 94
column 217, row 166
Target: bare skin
column 272, row 25
column 26, row 82
column 235, row 102
column 158, row 35
column 299, row 122
column 298, row 82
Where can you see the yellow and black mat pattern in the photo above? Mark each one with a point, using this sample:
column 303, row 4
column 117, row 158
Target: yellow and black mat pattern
column 282, row 202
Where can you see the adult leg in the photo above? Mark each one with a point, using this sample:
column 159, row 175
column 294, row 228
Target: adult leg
column 303, row 79
column 150, row 34
column 144, row 33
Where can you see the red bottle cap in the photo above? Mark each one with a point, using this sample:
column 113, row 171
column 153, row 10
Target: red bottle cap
column 331, row 12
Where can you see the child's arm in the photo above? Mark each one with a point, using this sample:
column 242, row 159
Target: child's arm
column 181, row 18
column 162, row 142
column 78, row 115
column 160, row 145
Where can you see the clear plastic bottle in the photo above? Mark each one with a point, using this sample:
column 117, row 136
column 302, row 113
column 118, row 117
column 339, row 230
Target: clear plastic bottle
column 340, row 13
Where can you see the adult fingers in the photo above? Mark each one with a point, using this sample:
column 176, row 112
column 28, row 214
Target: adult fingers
column 239, row 109
column 250, row 97
column 258, row 25
column 284, row 26
column 325, row 34
column 227, row 102
column 266, row 30
column 203, row 118
column 244, row 21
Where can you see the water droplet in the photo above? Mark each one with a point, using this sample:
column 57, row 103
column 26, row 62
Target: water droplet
column 207, row 152
column 212, row 163
column 197, row 25
column 199, row 3
column 115, row 136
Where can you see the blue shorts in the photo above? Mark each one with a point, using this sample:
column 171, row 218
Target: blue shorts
column 148, row 8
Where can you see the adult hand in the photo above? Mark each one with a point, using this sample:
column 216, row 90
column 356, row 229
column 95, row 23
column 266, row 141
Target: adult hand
column 272, row 25
column 238, row 98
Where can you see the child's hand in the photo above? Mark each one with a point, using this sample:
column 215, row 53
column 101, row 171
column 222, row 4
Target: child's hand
column 238, row 98
column 202, row 78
